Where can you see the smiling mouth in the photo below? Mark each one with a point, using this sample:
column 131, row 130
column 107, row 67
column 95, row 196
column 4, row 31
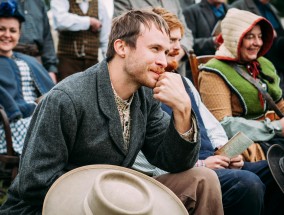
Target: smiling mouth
column 254, row 49
column 158, row 71
column 5, row 42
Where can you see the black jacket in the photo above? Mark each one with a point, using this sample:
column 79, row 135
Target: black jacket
column 201, row 19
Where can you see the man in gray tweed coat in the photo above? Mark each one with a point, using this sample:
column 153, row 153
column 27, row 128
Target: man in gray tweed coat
column 108, row 113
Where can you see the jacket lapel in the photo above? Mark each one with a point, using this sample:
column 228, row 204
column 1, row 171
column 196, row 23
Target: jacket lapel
column 208, row 13
column 108, row 106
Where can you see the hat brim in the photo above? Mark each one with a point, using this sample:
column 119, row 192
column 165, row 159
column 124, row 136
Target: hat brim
column 17, row 16
column 274, row 154
column 68, row 197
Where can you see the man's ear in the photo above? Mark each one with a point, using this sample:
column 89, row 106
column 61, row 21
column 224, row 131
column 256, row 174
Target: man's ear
column 120, row 47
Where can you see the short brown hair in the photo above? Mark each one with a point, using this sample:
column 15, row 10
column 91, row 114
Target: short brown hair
column 127, row 27
column 171, row 19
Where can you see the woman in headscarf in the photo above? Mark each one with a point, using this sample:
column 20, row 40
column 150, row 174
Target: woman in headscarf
column 236, row 102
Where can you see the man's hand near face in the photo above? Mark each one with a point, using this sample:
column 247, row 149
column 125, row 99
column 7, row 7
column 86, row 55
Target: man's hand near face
column 170, row 90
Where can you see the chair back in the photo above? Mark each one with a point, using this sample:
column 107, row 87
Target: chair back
column 9, row 159
column 7, row 129
column 195, row 62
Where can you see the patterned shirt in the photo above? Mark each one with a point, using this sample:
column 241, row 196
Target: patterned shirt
column 19, row 126
column 123, row 107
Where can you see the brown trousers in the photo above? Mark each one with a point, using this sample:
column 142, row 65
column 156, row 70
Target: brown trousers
column 198, row 189
column 69, row 66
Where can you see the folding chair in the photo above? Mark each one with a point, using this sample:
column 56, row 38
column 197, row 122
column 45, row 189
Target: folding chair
column 195, row 62
column 10, row 160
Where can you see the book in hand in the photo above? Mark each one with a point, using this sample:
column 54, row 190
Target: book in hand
column 217, row 29
column 235, row 146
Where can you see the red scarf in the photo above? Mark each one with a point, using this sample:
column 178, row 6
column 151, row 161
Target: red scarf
column 253, row 68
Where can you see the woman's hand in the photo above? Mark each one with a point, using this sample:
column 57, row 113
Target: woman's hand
column 236, row 162
column 217, row 162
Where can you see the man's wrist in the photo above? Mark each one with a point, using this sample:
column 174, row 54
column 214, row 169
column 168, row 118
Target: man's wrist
column 191, row 134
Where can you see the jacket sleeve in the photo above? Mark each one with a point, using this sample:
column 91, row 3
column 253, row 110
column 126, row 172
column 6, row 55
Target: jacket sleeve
column 187, row 39
column 121, row 6
column 164, row 147
column 41, row 164
column 49, row 59
column 201, row 45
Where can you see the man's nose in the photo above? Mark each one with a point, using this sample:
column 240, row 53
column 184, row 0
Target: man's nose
column 162, row 60
column 176, row 45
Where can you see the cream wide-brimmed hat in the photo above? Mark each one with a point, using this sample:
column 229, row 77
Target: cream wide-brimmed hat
column 110, row 190
column 275, row 158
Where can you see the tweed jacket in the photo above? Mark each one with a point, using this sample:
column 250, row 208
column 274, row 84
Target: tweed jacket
column 201, row 19
column 172, row 5
column 78, row 124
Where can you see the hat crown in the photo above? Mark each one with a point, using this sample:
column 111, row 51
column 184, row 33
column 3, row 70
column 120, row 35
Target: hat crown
column 78, row 190
column 118, row 193
column 8, row 8
column 281, row 164
column 275, row 158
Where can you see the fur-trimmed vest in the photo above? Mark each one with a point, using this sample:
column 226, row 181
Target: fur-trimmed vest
column 80, row 44
column 245, row 91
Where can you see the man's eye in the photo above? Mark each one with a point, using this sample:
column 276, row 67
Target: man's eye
column 155, row 48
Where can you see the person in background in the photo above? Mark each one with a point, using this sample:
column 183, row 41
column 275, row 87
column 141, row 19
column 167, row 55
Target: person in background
column 83, row 27
column 201, row 18
column 108, row 113
column 267, row 10
column 236, row 102
column 184, row 3
column 174, row 7
column 22, row 81
column 36, row 39
column 203, row 194
column 243, row 184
